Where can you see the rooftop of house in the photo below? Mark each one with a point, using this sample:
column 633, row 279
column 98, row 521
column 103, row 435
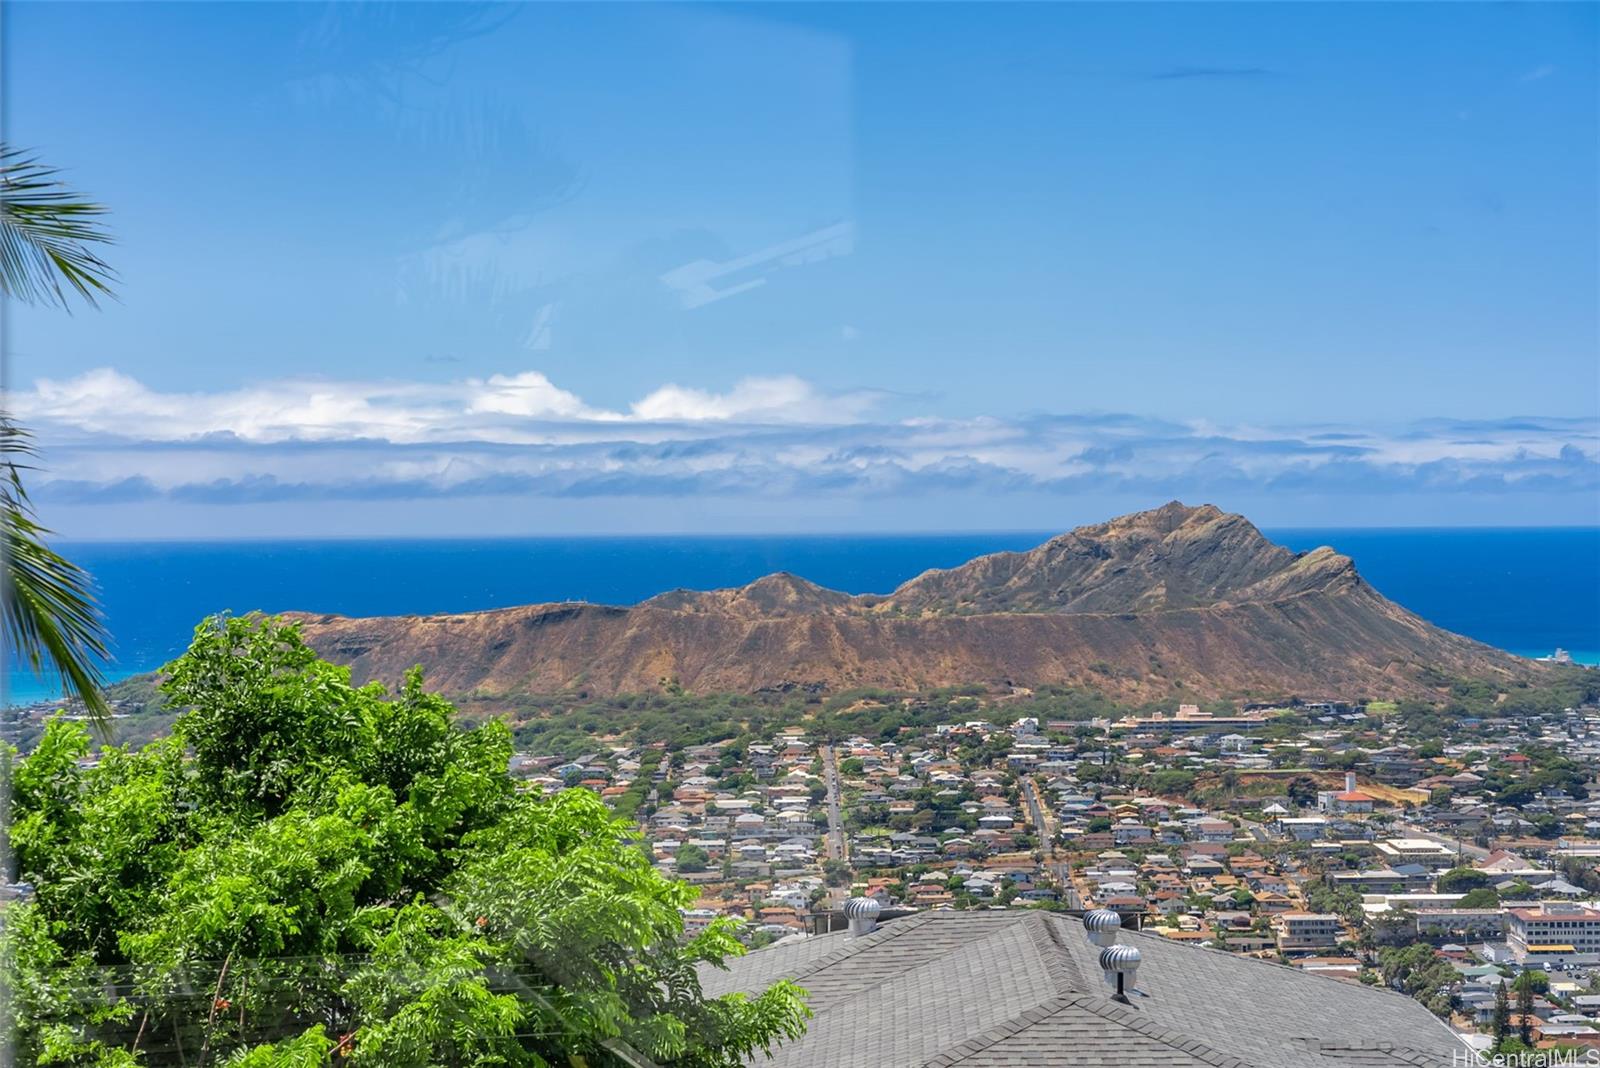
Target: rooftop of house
column 1018, row 987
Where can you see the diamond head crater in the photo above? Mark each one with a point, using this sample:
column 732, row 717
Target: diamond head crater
column 1174, row 602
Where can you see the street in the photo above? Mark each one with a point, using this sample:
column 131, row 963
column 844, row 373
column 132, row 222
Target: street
column 835, row 847
column 1047, row 844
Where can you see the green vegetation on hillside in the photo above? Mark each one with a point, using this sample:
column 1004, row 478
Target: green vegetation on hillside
column 307, row 869
column 570, row 724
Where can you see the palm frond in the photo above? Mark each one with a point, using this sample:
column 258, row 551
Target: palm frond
column 48, row 234
column 50, row 617
column 15, row 443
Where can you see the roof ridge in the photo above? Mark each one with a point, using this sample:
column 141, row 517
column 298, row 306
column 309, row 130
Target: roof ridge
column 1058, row 962
column 1000, row 1031
column 1123, row 1016
column 1129, row 1017
column 1407, row 1054
column 855, row 945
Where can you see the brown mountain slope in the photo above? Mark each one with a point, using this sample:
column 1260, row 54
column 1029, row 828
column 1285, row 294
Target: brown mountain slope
column 1133, row 606
column 1169, row 558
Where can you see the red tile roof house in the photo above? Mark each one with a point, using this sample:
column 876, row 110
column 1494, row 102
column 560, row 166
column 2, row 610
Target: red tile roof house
column 1353, row 801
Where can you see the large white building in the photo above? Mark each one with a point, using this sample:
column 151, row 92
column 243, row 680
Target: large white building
column 1552, row 932
column 1428, row 853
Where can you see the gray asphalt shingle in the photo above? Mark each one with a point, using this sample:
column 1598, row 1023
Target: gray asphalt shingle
column 988, row 989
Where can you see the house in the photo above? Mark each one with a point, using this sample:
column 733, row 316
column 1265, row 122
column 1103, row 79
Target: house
column 1300, row 828
column 1380, row 881
column 1235, row 743
column 982, row 989
column 1210, row 829
column 1272, row 904
column 1301, row 932
column 1333, row 967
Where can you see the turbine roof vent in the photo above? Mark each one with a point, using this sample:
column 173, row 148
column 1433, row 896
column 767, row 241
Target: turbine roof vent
column 862, row 912
column 1119, row 960
column 1119, row 964
column 862, row 907
column 1102, row 926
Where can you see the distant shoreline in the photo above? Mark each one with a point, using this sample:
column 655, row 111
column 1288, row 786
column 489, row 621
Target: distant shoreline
column 1516, row 588
column 736, row 535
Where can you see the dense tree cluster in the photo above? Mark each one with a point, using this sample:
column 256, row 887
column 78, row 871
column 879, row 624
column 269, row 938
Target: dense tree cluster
column 306, row 868
column 626, row 805
column 1420, row 972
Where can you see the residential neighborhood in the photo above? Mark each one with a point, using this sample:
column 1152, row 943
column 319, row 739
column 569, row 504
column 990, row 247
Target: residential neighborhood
column 1456, row 862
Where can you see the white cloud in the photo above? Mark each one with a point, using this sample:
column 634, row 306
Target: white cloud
column 785, row 398
column 530, row 395
column 106, row 401
column 522, row 408
column 109, row 437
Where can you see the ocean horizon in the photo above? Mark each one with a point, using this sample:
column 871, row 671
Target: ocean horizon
column 1528, row 590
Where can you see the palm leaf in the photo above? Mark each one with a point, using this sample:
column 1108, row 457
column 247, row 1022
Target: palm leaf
column 48, row 602
column 47, row 236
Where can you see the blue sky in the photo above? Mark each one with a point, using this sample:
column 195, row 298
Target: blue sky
column 450, row 269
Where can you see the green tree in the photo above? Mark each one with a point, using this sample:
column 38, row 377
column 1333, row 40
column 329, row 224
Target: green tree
column 836, row 872
column 1525, row 1012
column 1394, row 928
column 1460, row 880
column 1534, row 980
column 1171, row 782
column 49, row 241
column 692, row 858
column 1502, row 1015
column 310, row 868
column 1483, row 897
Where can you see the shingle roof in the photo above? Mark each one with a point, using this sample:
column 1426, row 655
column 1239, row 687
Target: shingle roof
column 1023, row 988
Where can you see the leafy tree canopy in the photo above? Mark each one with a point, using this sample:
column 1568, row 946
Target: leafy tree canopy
column 692, row 858
column 1461, row 880
column 307, row 868
column 1533, row 980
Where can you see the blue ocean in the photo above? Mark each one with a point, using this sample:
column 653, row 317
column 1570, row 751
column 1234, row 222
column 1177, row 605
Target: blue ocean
column 1525, row 590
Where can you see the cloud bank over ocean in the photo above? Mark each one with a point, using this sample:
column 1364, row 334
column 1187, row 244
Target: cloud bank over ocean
column 111, row 440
